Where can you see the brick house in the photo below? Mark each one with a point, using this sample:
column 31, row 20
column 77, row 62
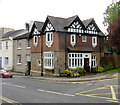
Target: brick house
column 61, row 43
column 21, row 52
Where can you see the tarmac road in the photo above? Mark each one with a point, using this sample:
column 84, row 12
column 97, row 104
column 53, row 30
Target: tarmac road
column 21, row 89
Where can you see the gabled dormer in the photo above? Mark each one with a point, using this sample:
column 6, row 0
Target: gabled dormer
column 36, row 29
column 92, row 28
column 48, row 29
column 75, row 25
column 48, row 26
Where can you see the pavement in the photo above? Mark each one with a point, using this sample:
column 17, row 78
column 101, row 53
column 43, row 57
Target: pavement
column 98, row 76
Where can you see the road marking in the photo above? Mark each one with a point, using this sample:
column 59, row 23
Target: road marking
column 112, row 92
column 55, row 92
column 112, row 101
column 92, row 90
column 95, row 96
column 14, row 85
column 84, row 93
column 9, row 100
column 19, row 86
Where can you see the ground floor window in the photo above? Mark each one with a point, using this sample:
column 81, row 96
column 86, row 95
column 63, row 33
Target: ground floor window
column 6, row 60
column 48, row 60
column 93, row 61
column 74, row 60
column 18, row 59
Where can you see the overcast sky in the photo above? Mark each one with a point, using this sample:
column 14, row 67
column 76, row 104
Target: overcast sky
column 14, row 13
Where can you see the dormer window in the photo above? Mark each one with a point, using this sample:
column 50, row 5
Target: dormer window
column 94, row 41
column 73, row 39
column 49, row 39
column 36, row 32
column 84, row 38
column 35, row 41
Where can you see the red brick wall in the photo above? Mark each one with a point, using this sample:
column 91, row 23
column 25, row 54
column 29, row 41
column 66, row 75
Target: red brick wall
column 62, row 39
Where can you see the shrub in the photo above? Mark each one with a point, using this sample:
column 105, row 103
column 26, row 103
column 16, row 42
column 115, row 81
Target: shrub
column 109, row 67
column 68, row 73
column 80, row 71
column 100, row 69
column 94, row 70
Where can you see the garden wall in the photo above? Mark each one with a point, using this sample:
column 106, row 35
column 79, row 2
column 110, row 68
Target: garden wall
column 111, row 59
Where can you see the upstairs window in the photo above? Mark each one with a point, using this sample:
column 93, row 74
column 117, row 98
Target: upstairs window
column 73, row 39
column 94, row 41
column 28, row 43
column 6, row 45
column 84, row 38
column 19, row 44
column 49, row 39
column 35, row 41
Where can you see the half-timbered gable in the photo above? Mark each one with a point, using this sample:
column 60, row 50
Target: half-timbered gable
column 65, row 43
column 92, row 28
column 36, row 29
column 76, row 26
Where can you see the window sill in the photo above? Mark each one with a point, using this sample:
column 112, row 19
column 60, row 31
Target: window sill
column 19, row 63
column 49, row 68
column 28, row 48
column 18, row 48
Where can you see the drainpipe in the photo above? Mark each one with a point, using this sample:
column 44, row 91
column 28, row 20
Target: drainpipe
column 41, row 55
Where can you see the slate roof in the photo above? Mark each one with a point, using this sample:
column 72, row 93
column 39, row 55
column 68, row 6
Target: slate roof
column 87, row 21
column 13, row 33
column 82, row 49
column 57, row 22
column 60, row 24
column 24, row 36
column 38, row 25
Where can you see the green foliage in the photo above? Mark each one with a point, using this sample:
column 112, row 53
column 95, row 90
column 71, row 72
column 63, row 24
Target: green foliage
column 80, row 71
column 68, row 73
column 100, row 69
column 108, row 67
column 113, row 12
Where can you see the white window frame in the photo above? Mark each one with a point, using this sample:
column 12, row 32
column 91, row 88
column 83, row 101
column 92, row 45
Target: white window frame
column 93, row 63
column 73, row 39
column 48, row 60
column 75, row 60
column 6, row 44
column 0, row 45
column 18, row 59
column 49, row 39
column 18, row 44
column 35, row 41
column 28, row 58
column 6, row 60
column 94, row 41
column 84, row 38
column 28, row 43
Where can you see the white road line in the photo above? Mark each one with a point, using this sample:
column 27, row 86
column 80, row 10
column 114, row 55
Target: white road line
column 112, row 101
column 55, row 92
column 6, row 84
column 19, row 86
column 14, row 85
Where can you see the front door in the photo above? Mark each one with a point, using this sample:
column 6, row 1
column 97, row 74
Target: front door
column 86, row 65
column 29, row 67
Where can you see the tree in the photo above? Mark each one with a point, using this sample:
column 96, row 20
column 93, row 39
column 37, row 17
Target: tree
column 112, row 19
